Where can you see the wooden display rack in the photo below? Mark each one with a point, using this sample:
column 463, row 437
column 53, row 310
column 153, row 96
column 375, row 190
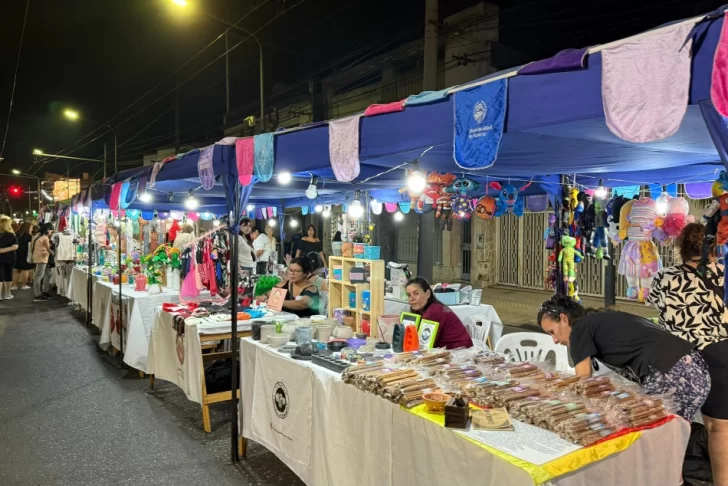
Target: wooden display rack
column 339, row 291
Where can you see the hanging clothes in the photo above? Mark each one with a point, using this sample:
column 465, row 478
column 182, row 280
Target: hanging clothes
column 344, row 148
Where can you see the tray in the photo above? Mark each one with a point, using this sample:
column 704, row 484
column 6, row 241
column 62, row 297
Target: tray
column 330, row 363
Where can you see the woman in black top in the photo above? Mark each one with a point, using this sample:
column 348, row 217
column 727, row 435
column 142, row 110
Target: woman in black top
column 302, row 298
column 311, row 244
column 8, row 245
column 23, row 270
column 634, row 347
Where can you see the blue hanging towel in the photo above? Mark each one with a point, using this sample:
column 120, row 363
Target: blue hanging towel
column 627, row 191
column 133, row 213
column 426, row 97
column 404, row 207
column 148, row 215
column 304, row 210
column 264, row 146
column 480, row 114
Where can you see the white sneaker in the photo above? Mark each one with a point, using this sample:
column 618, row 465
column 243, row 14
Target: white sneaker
column 26, row 287
column 9, row 296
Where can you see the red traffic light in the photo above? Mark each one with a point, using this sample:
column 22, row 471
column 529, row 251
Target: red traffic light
column 15, row 191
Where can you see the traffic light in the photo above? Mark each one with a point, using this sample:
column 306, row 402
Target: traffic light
column 15, row 191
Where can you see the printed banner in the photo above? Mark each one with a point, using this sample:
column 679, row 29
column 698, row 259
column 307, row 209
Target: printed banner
column 479, row 118
column 119, row 321
column 282, row 399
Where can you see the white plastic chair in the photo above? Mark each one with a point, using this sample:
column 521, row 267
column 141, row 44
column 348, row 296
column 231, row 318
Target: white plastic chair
column 478, row 327
column 533, row 346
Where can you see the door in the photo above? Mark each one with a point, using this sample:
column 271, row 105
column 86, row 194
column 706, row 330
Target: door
column 466, row 247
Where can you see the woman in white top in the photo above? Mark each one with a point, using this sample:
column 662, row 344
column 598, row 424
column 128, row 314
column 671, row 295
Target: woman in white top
column 185, row 236
column 264, row 244
column 245, row 246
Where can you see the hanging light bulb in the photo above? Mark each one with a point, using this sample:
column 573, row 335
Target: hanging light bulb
column 311, row 192
column 293, row 223
column 318, row 208
column 215, row 223
column 170, row 197
column 398, row 216
column 272, row 222
column 356, row 210
column 327, row 211
column 191, row 202
column 146, row 197
column 416, row 181
column 662, row 203
column 601, row 192
column 284, row 178
column 250, row 207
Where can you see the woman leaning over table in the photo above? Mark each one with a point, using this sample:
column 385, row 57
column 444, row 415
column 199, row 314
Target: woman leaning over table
column 302, row 298
column 691, row 307
column 8, row 245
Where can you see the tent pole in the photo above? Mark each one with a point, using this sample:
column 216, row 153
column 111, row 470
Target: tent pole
column 234, row 222
column 610, row 278
column 89, row 278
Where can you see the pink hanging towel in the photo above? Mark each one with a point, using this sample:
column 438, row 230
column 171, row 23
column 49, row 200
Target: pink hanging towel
column 115, row 193
column 646, row 83
column 245, row 158
column 344, row 148
column 719, row 81
column 386, row 108
column 391, row 207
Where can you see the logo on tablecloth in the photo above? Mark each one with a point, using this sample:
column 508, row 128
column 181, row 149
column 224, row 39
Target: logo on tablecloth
column 280, row 400
column 480, row 111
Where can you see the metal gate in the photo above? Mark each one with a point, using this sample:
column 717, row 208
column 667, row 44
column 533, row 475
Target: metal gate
column 532, row 273
column 466, row 247
column 508, row 254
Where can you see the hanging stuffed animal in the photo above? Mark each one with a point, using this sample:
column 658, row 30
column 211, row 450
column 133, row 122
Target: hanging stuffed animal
column 722, row 234
column 598, row 236
column 677, row 217
column 566, row 258
column 614, row 207
column 434, row 190
column 485, row 209
column 462, row 188
column 508, row 200
column 573, row 204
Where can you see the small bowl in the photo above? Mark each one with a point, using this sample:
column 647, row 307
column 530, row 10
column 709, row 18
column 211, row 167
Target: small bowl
column 278, row 340
column 435, row 402
column 317, row 318
column 337, row 345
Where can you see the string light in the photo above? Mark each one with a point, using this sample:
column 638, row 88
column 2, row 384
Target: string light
column 311, row 192
column 601, row 192
column 662, row 203
column 327, row 211
column 293, row 223
column 356, row 210
column 416, row 181
column 398, row 216
column 272, row 222
column 318, row 208
column 146, row 197
column 250, row 207
column 285, row 178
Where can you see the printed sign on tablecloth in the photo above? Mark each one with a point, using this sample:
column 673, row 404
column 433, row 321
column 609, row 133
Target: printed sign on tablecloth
column 480, row 114
column 282, row 398
column 119, row 321
column 275, row 301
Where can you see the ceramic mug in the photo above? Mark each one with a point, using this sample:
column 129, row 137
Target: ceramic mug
column 324, row 333
column 343, row 332
column 303, row 334
column 317, row 319
column 266, row 331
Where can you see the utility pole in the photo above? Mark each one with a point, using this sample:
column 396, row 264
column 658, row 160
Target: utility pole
column 176, row 119
column 227, row 85
column 105, row 159
column 427, row 228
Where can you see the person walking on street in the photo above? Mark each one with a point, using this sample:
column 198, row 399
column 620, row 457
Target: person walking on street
column 23, row 265
column 41, row 248
column 8, row 245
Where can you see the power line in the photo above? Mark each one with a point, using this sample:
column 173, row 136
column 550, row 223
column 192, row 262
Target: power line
column 15, row 79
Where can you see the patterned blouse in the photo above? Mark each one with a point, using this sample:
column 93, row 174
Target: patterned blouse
column 688, row 309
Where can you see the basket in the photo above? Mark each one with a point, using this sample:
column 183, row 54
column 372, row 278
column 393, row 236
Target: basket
column 360, row 249
column 372, row 252
column 448, row 298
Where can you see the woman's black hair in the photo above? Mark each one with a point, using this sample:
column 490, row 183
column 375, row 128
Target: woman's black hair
column 45, row 228
column 337, row 236
column 314, row 230
column 304, row 264
column 561, row 304
column 422, row 283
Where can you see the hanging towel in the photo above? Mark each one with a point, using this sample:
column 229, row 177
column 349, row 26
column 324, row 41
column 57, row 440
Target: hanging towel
column 227, row 141
column 176, row 215
column 114, row 199
column 274, row 212
column 566, row 60
column 147, row 215
column 344, row 148
column 122, row 195
column 537, row 203
column 259, row 213
column 265, row 155
column 646, row 83
column 426, row 97
column 304, row 210
column 699, row 190
column 719, row 81
column 133, row 213
column 163, row 214
column 376, row 109
column 155, row 170
column 391, row 207
column 131, row 193
column 480, row 113
column 404, row 207
column 192, row 216
column 376, row 206
column 245, row 159
column 204, row 168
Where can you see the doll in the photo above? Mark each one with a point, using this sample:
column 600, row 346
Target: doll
column 508, row 200
column 719, row 192
column 462, row 189
column 640, row 259
column 566, row 258
column 598, row 234
column 677, row 217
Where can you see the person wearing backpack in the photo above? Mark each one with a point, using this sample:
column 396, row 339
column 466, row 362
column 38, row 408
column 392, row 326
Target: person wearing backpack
column 8, row 245
column 41, row 251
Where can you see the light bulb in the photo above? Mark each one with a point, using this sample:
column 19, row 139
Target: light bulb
column 284, row 178
column 416, row 182
column 294, row 223
column 216, row 223
column 191, row 203
column 356, row 210
column 326, row 213
column 662, row 203
column 318, row 208
column 311, row 192
column 398, row 216
column 601, row 192
column 250, row 207
column 146, row 197
column 272, row 222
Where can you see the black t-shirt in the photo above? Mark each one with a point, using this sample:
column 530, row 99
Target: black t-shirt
column 7, row 240
column 624, row 340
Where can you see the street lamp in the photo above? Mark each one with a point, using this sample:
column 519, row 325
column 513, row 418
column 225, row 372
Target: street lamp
column 186, row 4
column 74, row 115
column 16, row 172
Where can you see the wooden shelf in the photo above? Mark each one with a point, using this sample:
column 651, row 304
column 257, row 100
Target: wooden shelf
column 339, row 291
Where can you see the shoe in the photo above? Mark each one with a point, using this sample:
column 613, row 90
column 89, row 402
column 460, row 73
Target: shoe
column 8, row 297
column 26, row 287
column 40, row 298
column 46, row 295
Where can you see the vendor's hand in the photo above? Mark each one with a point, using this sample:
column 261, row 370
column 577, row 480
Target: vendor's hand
column 288, row 259
column 263, row 298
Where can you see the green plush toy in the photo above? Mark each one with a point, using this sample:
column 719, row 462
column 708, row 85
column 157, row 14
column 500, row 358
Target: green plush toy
column 566, row 257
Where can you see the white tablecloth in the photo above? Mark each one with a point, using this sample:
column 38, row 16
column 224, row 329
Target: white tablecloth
column 357, row 438
column 394, row 306
column 78, row 286
column 177, row 358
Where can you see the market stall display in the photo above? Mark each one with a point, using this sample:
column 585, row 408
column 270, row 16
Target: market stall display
column 357, row 288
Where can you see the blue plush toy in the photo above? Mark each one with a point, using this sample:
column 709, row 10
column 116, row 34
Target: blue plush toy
column 508, row 200
column 463, row 188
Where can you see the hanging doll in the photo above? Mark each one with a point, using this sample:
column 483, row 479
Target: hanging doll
column 566, row 258
column 677, row 217
column 434, row 190
column 598, row 237
column 508, row 200
column 462, row 188
column 640, row 261
column 549, row 233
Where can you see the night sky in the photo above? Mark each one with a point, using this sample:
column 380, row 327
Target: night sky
column 101, row 56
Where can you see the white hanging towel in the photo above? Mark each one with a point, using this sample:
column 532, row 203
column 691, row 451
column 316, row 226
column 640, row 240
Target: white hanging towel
column 646, row 83
column 344, row 147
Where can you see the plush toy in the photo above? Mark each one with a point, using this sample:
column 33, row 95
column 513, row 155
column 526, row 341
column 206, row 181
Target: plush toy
column 566, row 257
column 677, row 217
column 434, row 190
column 485, row 208
column 722, row 234
column 598, row 235
column 508, row 200
column 462, row 188
column 640, row 261
column 549, row 233
column 614, row 208
column 574, row 205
